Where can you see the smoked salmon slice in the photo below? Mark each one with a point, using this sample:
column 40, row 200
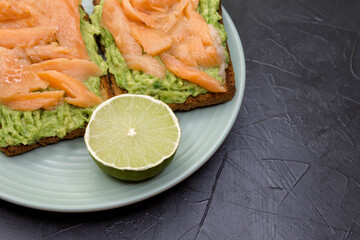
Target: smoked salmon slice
column 15, row 76
column 13, row 10
column 191, row 74
column 48, row 51
column 18, row 81
column 179, row 31
column 69, row 34
column 34, row 100
column 76, row 68
column 78, row 93
column 65, row 16
column 153, row 41
column 19, row 23
column 194, row 3
column 197, row 25
column 73, row 5
column 163, row 21
column 182, row 52
column 18, row 84
column 114, row 20
column 192, row 52
column 26, row 37
column 204, row 56
column 153, row 5
column 145, row 63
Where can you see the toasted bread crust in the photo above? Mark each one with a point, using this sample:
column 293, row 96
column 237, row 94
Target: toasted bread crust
column 105, row 88
column 16, row 150
column 202, row 100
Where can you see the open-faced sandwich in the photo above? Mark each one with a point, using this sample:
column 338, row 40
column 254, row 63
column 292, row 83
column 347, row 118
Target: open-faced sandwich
column 50, row 73
column 173, row 50
column 52, row 76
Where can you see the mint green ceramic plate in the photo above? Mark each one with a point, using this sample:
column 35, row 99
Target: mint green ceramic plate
column 64, row 178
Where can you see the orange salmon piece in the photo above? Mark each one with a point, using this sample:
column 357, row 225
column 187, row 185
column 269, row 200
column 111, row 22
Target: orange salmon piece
column 188, row 46
column 153, row 41
column 78, row 93
column 192, row 52
column 17, row 81
column 45, row 52
column 77, row 68
column 197, row 25
column 191, row 74
column 65, row 16
column 34, row 101
column 114, row 20
column 145, row 63
column 69, row 34
column 13, row 10
column 164, row 21
column 137, row 15
column 195, row 3
column 26, row 37
column 204, row 57
column 15, row 76
column 180, row 31
column 182, row 52
column 19, row 23
column 73, row 4
column 153, row 5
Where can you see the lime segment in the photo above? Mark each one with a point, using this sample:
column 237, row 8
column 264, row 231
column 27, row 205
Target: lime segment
column 132, row 137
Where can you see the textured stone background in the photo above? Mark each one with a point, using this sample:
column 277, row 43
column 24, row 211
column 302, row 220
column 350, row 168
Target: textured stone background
column 290, row 168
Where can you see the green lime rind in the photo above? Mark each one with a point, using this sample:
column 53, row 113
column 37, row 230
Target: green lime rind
column 134, row 175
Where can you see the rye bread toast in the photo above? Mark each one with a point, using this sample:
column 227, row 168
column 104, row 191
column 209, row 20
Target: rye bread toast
column 202, row 100
column 106, row 93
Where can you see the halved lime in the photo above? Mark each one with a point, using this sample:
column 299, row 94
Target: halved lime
column 132, row 137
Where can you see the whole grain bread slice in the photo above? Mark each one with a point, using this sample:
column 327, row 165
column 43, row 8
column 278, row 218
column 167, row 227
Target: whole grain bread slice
column 106, row 93
column 202, row 100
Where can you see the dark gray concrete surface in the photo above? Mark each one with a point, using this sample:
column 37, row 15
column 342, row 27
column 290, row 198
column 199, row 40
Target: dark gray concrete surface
column 290, row 168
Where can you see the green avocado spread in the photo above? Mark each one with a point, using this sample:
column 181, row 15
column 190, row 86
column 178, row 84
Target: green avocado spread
column 170, row 89
column 18, row 127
